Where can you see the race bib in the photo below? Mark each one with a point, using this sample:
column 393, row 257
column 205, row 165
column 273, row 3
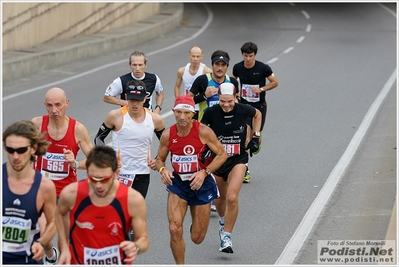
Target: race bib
column 126, row 179
column 185, row 165
column 54, row 166
column 15, row 234
column 232, row 149
column 102, row 256
column 248, row 94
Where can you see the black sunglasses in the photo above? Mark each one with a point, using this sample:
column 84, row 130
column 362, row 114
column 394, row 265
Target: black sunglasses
column 19, row 150
column 138, row 87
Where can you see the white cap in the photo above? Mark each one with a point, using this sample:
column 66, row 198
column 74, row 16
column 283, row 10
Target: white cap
column 227, row 89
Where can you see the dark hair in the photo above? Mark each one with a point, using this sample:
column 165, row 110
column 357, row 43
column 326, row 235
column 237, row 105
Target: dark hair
column 102, row 157
column 249, row 47
column 137, row 54
column 28, row 130
column 136, row 83
column 220, row 53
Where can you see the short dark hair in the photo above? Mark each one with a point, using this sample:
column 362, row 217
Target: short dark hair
column 102, row 157
column 249, row 47
column 28, row 130
column 136, row 83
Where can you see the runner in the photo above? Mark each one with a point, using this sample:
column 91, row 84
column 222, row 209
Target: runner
column 253, row 75
column 93, row 216
column 26, row 195
column 205, row 87
column 116, row 91
column 132, row 128
column 195, row 154
column 66, row 136
column 229, row 122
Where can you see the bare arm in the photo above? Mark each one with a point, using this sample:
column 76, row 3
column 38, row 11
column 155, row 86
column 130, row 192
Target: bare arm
column 166, row 175
column 65, row 203
column 138, row 212
column 158, row 101
column 256, row 121
column 207, row 70
column 83, row 138
column 114, row 100
column 273, row 83
column 179, row 80
column 48, row 194
column 209, row 138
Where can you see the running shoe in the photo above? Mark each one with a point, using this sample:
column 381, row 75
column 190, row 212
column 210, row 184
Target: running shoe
column 247, row 177
column 213, row 207
column 221, row 231
column 226, row 245
column 47, row 261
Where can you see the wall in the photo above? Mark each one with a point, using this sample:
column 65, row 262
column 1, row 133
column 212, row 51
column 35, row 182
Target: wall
column 28, row 24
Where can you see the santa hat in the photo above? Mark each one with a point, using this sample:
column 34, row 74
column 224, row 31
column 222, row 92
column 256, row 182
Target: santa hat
column 184, row 102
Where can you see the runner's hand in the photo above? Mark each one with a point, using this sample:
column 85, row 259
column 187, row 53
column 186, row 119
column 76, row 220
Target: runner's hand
column 253, row 145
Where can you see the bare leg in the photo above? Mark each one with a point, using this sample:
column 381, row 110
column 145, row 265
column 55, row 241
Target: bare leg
column 233, row 189
column 177, row 209
column 200, row 216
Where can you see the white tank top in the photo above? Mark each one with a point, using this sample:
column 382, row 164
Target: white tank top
column 134, row 141
column 188, row 79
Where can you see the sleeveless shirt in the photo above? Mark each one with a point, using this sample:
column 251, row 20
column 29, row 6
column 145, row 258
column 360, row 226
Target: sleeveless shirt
column 188, row 79
column 96, row 232
column 20, row 219
column 52, row 165
column 132, row 142
column 188, row 153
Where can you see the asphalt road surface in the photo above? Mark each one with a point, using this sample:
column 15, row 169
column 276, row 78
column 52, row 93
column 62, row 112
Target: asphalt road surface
column 334, row 63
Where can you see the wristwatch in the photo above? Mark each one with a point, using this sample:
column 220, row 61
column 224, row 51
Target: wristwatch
column 208, row 172
column 262, row 89
column 257, row 134
column 158, row 106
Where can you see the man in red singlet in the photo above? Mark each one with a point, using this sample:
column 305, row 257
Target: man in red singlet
column 195, row 154
column 66, row 135
column 93, row 216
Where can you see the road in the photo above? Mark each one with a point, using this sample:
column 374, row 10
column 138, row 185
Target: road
column 331, row 60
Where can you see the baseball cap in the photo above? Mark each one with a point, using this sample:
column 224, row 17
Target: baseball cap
column 135, row 92
column 184, row 102
column 226, row 89
column 220, row 58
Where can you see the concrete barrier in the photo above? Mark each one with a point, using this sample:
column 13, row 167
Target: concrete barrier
column 18, row 64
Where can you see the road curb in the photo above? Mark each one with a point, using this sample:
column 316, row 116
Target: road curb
column 47, row 56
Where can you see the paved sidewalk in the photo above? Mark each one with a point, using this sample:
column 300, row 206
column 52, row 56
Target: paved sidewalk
column 17, row 64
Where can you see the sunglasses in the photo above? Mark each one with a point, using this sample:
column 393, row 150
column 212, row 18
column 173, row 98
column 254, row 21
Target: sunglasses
column 138, row 87
column 19, row 150
column 102, row 180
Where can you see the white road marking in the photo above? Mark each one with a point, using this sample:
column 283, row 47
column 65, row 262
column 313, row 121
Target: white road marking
column 291, row 250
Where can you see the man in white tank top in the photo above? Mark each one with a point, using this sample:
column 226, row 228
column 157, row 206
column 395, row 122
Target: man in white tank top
column 187, row 74
column 132, row 129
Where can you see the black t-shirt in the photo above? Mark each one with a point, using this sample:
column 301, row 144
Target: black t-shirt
column 230, row 128
column 256, row 75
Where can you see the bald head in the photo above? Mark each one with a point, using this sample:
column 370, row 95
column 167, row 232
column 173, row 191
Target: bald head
column 55, row 92
column 195, row 55
column 56, row 103
column 195, row 50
